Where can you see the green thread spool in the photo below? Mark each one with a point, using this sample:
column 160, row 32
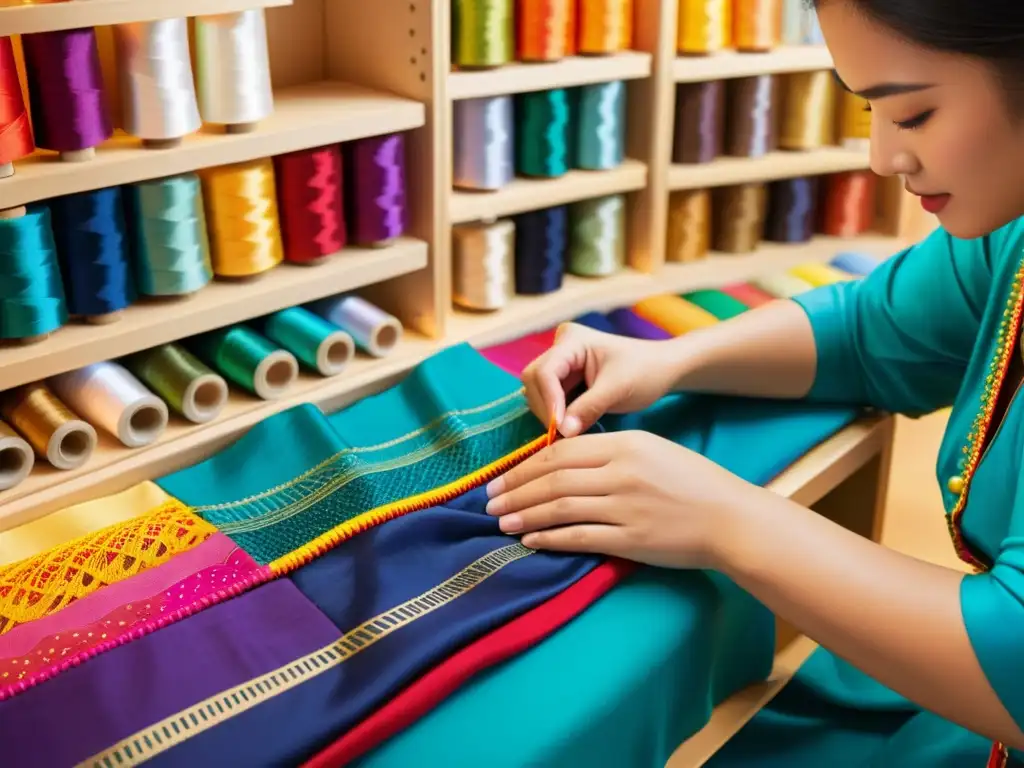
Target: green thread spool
column 542, row 133
column 321, row 345
column 483, row 32
column 185, row 383
column 600, row 126
column 721, row 305
column 32, row 302
column 597, row 236
column 247, row 359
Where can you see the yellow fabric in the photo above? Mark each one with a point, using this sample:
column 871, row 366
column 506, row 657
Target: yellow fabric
column 78, row 521
column 47, row 582
column 674, row 314
column 820, row 274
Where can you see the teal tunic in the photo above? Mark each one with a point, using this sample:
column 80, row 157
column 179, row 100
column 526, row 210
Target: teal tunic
column 919, row 334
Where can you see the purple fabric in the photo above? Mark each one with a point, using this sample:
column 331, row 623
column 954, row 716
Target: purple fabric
column 93, row 706
column 628, row 323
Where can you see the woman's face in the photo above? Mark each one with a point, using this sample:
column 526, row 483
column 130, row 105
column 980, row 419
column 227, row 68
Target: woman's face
column 939, row 120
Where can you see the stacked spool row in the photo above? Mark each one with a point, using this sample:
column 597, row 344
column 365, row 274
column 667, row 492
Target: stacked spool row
column 91, row 255
column 529, row 254
column 492, row 33
column 753, row 116
column 133, row 399
column 541, row 134
column 747, row 26
column 53, row 95
column 737, row 219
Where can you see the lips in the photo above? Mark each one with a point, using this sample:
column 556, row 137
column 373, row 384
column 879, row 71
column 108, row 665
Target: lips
column 934, row 203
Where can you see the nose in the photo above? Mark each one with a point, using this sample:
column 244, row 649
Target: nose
column 889, row 157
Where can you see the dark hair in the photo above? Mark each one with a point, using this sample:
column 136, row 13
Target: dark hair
column 991, row 30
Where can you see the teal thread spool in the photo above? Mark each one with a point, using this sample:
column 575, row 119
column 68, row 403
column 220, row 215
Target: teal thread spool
column 542, row 133
column 600, row 126
column 319, row 344
column 32, row 301
column 597, row 236
column 247, row 359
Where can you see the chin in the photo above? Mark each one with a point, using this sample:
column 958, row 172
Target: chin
column 965, row 226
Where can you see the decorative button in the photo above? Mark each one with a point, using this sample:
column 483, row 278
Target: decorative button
column 955, row 485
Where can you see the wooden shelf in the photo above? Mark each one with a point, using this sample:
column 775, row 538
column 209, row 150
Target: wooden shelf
column 533, row 194
column 726, row 171
column 25, row 19
column 148, row 324
column 305, row 116
column 730, row 64
column 526, row 314
column 569, row 72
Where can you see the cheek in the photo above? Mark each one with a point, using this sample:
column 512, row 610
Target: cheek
column 956, row 154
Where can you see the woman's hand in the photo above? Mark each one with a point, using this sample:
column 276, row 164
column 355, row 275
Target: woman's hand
column 626, row 494
column 621, row 375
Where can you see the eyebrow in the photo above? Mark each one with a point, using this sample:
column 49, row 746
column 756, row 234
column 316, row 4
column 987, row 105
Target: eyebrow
column 882, row 90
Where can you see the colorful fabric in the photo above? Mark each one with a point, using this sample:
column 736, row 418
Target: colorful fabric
column 748, row 294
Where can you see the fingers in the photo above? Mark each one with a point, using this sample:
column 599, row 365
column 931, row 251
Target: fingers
column 560, row 512
column 556, row 485
column 590, row 406
column 585, row 452
column 549, row 376
column 587, row 538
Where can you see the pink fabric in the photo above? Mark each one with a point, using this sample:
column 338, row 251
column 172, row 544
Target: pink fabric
column 514, row 356
column 117, row 607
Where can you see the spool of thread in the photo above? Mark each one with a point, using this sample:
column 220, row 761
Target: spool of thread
column 605, row 26
column 739, row 217
column 808, row 110
column 309, row 196
column 376, row 172
column 855, row 263
column 249, row 360
column 65, row 85
column 572, row 30
column 170, row 246
column 16, row 459
column 108, row 395
column 541, row 240
column 483, row 257
column 781, row 285
column 32, row 302
column 484, row 151
column 158, row 96
column 185, row 383
column 233, row 69
column 705, row 26
column 374, row 330
column 849, row 208
column 16, row 139
column 751, row 128
column 718, row 303
column 597, row 236
column 485, row 33
column 543, row 29
column 854, row 121
column 820, row 275
column 542, row 133
column 792, row 210
column 56, row 434
column 700, row 122
column 321, row 345
column 689, row 225
column 242, row 220
column 757, row 24
column 92, row 246
column 794, row 22
column 600, row 126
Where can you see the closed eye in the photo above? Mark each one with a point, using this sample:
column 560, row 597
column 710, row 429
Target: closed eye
column 914, row 122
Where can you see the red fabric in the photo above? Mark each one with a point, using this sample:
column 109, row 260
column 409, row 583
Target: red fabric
column 448, row 676
column 748, row 294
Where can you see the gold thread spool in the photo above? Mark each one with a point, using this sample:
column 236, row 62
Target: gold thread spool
column 605, row 26
column 757, row 25
column 16, row 459
column 689, row 225
column 739, row 217
column 242, row 219
column 54, row 432
column 854, row 121
column 705, row 26
column 483, row 257
column 808, row 110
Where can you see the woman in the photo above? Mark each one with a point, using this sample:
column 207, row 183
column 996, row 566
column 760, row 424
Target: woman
column 928, row 664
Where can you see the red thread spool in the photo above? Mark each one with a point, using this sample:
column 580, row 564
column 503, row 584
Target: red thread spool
column 309, row 200
column 571, row 46
column 849, row 205
column 544, row 29
column 15, row 127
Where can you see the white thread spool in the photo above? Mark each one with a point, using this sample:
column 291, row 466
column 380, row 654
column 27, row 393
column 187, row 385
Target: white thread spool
column 16, row 458
column 374, row 330
column 158, row 94
column 108, row 395
column 483, row 264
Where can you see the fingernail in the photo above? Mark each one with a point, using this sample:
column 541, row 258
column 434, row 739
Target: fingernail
column 510, row 523
column 570, row 426
column 528, row 541
column 494, row 506
column 495, row 487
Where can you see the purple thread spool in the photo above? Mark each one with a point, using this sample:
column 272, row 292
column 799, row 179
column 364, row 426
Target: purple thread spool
column 65, row 84
column 376, row 190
